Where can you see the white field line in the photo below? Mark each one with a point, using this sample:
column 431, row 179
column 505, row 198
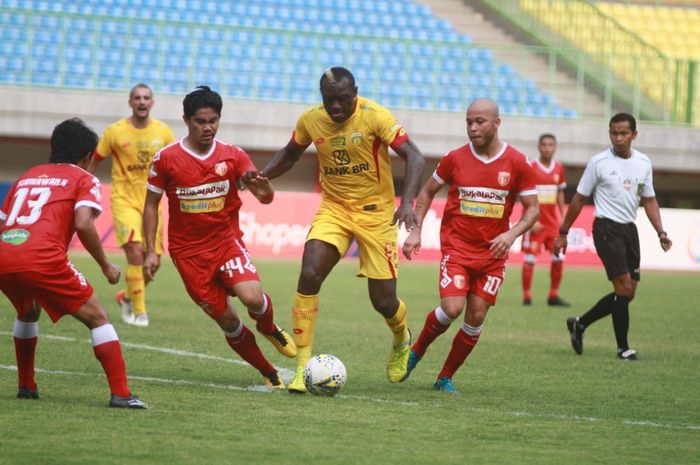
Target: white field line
column 290, row 373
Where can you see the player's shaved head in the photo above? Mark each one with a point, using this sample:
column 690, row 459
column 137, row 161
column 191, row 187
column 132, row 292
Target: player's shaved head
column 482, row 125
column 484, row 106
column 333, row 76
column 339, row 93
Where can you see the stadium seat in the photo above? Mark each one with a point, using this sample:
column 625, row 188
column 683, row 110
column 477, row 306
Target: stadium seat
column 247, row 42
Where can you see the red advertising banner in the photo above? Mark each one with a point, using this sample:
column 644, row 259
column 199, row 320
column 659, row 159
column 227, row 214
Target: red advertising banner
column 279, row 229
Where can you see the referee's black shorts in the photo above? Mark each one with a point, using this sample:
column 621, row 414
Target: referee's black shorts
column 617, row 245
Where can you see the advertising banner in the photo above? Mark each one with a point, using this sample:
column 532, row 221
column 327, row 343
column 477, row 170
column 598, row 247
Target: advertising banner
column 278, row 230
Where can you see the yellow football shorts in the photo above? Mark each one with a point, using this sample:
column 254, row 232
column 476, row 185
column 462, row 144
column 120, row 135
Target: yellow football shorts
column 128, row 225
column 376, row 237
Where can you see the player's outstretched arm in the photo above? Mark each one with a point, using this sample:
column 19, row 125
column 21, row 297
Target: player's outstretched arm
column 283, row 160
column 84, row 223
column 413, row 242
column 150, row 223
column 501, row 244
column 577, row 203
column 651, row 208
column 415, row 162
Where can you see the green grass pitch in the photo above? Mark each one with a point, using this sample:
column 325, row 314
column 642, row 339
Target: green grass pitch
column 526, row 398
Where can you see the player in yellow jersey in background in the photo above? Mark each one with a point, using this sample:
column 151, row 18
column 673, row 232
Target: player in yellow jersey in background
column 352, row 135
column 132, row 142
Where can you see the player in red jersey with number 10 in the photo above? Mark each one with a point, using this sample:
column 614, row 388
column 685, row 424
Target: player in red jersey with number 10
column 200, row 174
column 485, row 178
column 43, row 209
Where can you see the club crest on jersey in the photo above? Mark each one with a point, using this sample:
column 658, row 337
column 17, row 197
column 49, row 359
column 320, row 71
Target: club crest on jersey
column 356, row 138
column 459, row 281
column 627, row 184
column 220, row 168
column 503, row 178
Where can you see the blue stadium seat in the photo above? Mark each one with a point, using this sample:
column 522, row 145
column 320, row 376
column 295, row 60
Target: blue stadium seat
column 401, row 42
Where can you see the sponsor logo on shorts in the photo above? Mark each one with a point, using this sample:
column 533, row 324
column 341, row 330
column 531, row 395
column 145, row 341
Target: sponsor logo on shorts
column 202, row 206
column 481, row 209
column 205, row 191
column 15, row 236
column 459, row 281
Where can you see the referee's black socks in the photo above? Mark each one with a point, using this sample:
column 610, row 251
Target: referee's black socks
column 621, row 320
column 602, row 309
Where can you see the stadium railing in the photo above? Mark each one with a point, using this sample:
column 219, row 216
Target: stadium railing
column 625, row 70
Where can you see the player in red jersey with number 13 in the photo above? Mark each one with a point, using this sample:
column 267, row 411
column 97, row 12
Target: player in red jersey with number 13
column 43, row 209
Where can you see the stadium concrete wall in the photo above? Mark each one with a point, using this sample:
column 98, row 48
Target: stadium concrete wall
column 28, row 115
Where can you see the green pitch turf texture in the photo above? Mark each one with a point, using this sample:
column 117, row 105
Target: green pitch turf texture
column 526, row 398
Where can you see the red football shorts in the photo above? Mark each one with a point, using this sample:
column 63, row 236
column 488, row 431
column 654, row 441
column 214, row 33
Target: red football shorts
column 210, row 275
column 480, row 276
column 60, row 291
column 533, row 243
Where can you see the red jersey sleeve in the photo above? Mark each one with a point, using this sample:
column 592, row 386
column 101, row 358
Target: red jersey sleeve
column 444, row 170
column 526, row 177
column 157, row 174
column 89, row 193
column 243, row 162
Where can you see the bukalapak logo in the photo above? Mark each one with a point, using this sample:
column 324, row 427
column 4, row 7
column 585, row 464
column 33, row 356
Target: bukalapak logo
column 15, row 236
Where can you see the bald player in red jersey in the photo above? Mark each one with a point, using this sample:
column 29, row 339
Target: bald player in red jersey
column 551, row 182
column 43, row 209
column 485, row 179
column 200, row 174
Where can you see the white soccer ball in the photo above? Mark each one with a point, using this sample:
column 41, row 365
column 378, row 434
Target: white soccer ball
column 324, row 375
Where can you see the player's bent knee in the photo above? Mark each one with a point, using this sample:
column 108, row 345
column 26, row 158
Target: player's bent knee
column 91, row 314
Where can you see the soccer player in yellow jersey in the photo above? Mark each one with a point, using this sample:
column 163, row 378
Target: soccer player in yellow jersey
column 352, row 135
column 132, row 142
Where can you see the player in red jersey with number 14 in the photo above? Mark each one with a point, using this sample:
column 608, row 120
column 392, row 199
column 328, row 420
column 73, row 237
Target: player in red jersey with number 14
column 200, row 174
column 485, row 178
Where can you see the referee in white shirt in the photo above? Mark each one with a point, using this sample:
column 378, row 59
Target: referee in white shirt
column 617, row 178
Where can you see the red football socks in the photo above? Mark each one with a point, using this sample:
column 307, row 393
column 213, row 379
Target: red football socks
column 462, row 346
column 264, row 321
column 24, row 353
column 245, row 346
column 431, row 330
column 110, row 356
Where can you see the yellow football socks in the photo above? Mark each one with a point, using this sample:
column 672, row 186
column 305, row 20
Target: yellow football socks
column 304, row 313
column 399, row 325
column 136, row 288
